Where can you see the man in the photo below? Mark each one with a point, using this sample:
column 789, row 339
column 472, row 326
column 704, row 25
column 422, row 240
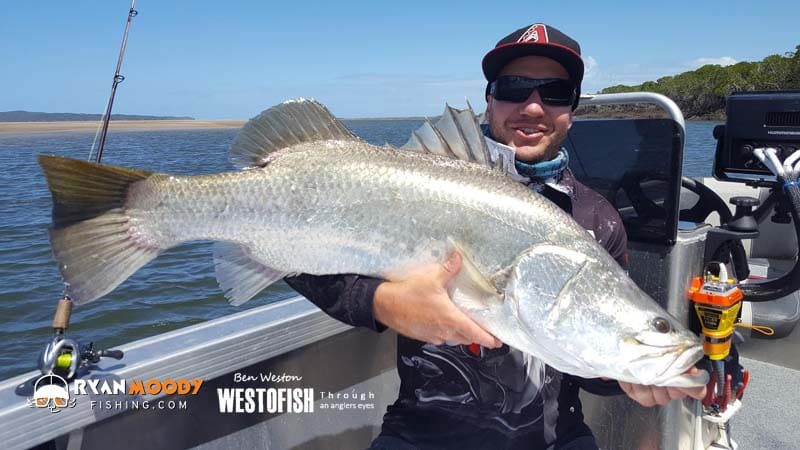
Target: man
column 476, row 392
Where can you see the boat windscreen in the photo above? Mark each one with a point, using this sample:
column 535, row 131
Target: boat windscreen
column 636, row 165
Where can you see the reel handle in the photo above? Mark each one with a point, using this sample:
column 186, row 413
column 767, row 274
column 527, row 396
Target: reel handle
column 113, row 354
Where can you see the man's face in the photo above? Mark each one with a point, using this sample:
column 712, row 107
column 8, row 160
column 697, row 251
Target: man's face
column 534, row 130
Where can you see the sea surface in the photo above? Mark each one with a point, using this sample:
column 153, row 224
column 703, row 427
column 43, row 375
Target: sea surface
column 178, row 288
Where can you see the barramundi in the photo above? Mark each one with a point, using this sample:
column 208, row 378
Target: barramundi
column 314, row 198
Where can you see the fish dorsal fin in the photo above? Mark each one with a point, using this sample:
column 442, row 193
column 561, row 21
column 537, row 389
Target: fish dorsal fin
column 291, row 123
column 456, row 134
column 427, row 139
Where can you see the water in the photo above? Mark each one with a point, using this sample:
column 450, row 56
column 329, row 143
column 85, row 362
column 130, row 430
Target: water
column 178, row 288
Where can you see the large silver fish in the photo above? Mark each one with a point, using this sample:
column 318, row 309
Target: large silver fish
column 317, row 199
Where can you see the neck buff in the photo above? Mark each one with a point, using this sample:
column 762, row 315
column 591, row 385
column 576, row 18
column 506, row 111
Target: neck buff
column 544, row 170
column 536, row 173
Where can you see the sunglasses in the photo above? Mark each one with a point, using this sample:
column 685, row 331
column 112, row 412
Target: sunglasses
column 554, row 91
column 43, row 402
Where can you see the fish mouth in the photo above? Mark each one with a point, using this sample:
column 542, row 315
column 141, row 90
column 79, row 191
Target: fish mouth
column 686, row 355
column 686, row 358
column 669, row 347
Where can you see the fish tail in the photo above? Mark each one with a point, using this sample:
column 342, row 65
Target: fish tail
column 92, row 236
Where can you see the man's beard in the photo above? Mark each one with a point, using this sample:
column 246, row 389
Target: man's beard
column 549, row 152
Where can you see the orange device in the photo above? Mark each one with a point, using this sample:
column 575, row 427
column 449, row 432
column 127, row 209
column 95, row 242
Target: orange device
column 717, row 304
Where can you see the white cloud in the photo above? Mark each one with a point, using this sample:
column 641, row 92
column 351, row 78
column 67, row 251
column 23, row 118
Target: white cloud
column 721, row 61
column 590, row 68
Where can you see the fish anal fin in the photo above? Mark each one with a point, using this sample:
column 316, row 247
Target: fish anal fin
column 239, row 274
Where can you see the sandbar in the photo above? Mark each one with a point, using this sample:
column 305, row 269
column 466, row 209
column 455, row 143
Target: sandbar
column 119, row 125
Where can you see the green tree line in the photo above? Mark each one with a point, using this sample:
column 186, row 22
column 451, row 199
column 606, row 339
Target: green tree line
column 702, row 92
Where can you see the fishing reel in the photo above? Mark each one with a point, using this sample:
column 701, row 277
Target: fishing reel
column 64, row 356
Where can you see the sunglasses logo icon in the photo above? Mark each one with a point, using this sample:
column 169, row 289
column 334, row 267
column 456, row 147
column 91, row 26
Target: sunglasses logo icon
column 51, row 391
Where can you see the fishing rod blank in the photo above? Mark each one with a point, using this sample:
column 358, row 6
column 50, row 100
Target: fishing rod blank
column 117, row 80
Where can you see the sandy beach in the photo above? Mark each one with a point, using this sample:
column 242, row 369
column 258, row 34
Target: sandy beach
column 126, row 125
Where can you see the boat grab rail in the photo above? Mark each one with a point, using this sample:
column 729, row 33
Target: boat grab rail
column 203, row 351
column 628, row 98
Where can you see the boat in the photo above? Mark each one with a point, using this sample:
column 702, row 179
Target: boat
column 292, row 344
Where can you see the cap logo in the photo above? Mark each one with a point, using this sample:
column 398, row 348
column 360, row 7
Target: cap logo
column 536, row 33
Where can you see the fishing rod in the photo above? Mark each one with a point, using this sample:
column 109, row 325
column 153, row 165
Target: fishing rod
column 64, row 355
column 117, row 80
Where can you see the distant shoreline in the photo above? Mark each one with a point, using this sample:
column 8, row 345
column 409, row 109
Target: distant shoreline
column 359, row 119
column 144, row 125
column 118, row 125
column 149, row 125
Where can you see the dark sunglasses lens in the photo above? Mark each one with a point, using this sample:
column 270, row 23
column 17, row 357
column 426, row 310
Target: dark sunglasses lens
column 518, row 89
column 510, row 91
column 557, row 93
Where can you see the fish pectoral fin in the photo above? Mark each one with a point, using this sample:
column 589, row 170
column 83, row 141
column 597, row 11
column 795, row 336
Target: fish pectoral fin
column 470, row 288
column 240, row 275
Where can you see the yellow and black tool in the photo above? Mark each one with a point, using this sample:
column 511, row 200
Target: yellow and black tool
column 717, row 303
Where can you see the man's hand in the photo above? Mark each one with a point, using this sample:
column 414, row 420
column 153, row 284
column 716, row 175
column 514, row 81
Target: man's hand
column 420, row 308
column 657, row 395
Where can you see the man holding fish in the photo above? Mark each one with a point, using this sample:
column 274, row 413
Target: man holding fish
column 459, row 242
column 461, row 387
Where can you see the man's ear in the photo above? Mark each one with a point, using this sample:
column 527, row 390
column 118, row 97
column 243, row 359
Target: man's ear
column 571, row 118
column 488, row 113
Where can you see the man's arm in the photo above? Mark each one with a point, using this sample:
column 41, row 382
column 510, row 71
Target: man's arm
column 597, row 386
column 417, row 307
column 346, row 298
column 420, row 308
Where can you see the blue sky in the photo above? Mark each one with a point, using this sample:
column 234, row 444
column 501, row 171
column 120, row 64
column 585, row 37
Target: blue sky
column 232, row 59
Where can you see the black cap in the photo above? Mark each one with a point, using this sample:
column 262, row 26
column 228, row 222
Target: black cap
column 536, row 40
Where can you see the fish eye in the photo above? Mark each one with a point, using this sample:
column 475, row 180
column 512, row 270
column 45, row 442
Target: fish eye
column 661, row 325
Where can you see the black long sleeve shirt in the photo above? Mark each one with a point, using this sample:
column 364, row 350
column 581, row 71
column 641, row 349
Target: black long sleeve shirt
column 472, row 397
